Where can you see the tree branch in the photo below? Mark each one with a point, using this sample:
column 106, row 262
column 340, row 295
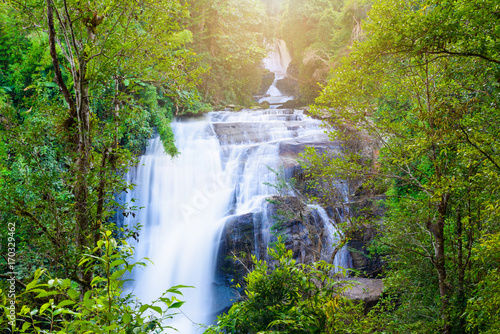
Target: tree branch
column 52, row 46
column 25, row 213
column 18, row 282
column 465, row 54
column 486, row 155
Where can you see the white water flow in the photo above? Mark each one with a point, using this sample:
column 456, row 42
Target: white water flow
column 342, row 258
column 184, row 200
column 277, row 62
column 220, row 173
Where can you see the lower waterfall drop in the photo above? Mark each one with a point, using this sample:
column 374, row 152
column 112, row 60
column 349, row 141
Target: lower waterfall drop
column 184, row 200
column 223, row 173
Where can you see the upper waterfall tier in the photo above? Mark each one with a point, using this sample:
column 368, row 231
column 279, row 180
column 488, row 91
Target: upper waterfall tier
column 278, row 59
column 277, row 62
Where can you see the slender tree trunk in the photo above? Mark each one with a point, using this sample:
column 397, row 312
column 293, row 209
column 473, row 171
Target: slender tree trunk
column 84, row 229
column 79, row 115
column 440, row 262
column 461, row 273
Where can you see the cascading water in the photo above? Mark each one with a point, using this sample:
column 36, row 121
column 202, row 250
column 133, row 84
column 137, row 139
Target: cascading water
column 184, row 199
column 220, row 174
column 342, row 258
column 277, row 62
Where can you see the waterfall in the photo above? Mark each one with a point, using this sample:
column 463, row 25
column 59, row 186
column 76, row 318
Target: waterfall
column 184, row 200
column 277, row 62
column 222, row 173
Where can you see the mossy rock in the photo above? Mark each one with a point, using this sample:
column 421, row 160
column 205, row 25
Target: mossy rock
column 264, row 105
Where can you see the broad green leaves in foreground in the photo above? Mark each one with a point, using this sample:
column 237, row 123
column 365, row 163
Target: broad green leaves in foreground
column 103, row 308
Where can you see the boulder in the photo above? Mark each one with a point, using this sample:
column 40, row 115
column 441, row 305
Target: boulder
column 267, row 81
column 294, row 104
column 264, row 105
column 367, row 290
column 233, row 107
column 238, row 238
column 290, row 149
column 288, row 86
column 305, row 237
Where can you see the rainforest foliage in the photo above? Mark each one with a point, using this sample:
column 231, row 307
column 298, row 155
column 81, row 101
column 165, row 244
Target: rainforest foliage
column 229, row 40
column 424, row 84
column 84, row 84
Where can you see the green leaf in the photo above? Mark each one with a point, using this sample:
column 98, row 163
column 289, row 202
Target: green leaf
column 181, row 287
column 50, row 84
column 26, row 325
column 117, row 274
column 73, row 294
column 175, row 289
column 176, row 305
column 157, row 309
column 117, row 263
column 31, row 285
column 44, row 307
column 65, row 303
column 89, row 302
column 66, row 283
column 97, row 279
column 126, row 318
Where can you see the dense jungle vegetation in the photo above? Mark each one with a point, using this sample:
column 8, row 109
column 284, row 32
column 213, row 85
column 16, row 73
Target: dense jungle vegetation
column 84, row 84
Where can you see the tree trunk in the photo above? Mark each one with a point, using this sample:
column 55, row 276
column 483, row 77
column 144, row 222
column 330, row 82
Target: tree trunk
column 79, row 116
column 440, row 262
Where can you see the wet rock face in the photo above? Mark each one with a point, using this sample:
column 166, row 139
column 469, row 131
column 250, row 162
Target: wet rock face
column 370, row 264
column 305, row 239
column 367, row 209
column 244, row 235
column 267, row 80
column 238, row 239
column 289, row 150
column 288, row 86
column 258, row 132
column 304, row 234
